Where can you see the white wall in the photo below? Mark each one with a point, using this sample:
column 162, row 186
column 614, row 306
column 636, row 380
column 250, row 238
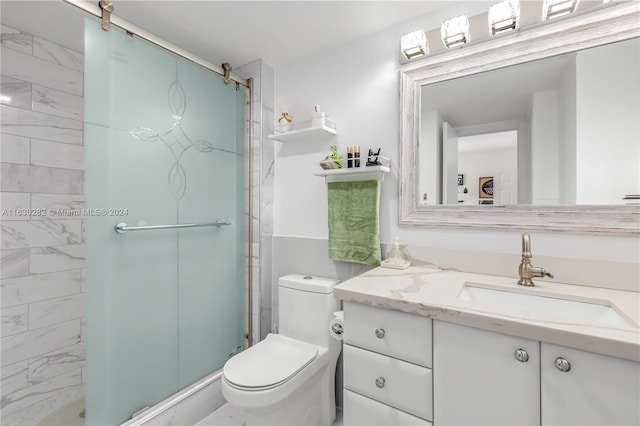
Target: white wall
column 567, row 148
column 608, row 83
column 357, row 84
column 431, row 156
column 476, row 164
column 545, row 134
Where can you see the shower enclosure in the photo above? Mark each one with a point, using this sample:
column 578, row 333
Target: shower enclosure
column 166, row 186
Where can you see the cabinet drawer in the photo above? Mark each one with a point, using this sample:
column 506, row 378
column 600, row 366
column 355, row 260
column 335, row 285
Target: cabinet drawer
column 394, row 382
column 397, row 334
column 362, row 411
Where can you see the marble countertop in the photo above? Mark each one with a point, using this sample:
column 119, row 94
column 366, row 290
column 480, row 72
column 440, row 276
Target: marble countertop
column 433, row 293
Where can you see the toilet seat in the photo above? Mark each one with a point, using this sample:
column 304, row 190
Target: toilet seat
column 269, row 363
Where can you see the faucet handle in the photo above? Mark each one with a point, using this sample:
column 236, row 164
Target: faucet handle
column 526, row 245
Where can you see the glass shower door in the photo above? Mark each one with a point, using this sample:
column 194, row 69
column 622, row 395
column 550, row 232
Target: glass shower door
column 165, row 142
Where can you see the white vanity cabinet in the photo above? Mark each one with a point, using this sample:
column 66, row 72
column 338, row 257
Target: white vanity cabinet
column 387, row 367
column 484, row 378
column 481, row 378
column 594, row 390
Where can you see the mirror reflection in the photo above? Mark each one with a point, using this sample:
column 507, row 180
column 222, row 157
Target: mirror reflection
column 558, row 131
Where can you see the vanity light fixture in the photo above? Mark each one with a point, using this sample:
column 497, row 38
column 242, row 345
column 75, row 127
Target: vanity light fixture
column 555, row 8
column 414, row 44
column 455, row 31
column 504, row 16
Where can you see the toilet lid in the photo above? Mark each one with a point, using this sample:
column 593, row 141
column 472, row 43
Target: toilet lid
column 272, row 361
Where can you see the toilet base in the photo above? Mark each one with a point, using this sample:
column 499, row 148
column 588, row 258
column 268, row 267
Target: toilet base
column 313, row 405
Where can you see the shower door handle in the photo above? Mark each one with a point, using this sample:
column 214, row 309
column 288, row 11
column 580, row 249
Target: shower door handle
column 122, row 227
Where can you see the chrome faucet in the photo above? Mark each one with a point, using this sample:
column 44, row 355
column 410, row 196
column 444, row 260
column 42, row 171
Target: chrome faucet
column 526, row 270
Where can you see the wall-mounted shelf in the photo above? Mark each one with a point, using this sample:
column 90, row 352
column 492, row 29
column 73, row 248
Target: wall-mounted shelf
column 319, row 128
column 354, row 174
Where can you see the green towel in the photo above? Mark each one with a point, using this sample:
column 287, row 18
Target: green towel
column 354, row 221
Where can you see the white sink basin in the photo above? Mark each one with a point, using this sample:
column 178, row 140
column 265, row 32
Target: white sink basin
column 549, row 308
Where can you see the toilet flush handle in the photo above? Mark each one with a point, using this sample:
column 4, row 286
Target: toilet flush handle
column 380, row 333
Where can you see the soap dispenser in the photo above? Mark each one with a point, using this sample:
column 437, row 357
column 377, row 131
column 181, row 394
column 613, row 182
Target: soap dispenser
column 395, row 259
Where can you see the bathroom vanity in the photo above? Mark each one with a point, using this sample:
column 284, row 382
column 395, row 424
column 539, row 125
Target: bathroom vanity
column 428, row 346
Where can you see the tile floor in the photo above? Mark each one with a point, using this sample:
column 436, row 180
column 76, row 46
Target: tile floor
column 227, row 416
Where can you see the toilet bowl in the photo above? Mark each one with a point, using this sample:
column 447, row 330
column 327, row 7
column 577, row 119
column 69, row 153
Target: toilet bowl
column 288, row 378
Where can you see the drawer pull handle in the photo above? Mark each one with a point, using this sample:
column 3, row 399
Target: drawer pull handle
column 521, row 355
column 380, row 333
column 562, row 364
column 380, row 381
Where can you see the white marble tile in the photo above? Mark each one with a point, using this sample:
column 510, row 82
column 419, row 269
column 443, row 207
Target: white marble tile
column 40, row 233
column 14, row 149
column 268, row 80
column 14, row 377
column 58, row 54
column 39, row 71
column 15, row 92
column 53, row 311
column 52, row 364
column 15, row 205
column 54, row 154
column 24, row 398
column 14, row 320
column 16, row 39
column 22, row 178
column 15, row 263
column 52, row 203
column 61, row 258
column 226, row 415
column 55, row 102
column 22, row 122
column 35, row 288
column 38, row 342
column 34, row 414
column 261, row 226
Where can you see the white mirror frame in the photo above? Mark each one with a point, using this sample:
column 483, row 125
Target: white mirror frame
column 608, row 24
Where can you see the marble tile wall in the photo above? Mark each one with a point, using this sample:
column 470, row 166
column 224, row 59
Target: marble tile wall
column 261, row 180
column 42, row 252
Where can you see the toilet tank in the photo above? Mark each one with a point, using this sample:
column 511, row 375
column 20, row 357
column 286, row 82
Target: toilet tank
column 306, row 306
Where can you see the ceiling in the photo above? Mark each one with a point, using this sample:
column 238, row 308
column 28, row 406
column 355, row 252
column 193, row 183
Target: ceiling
column 499, row 95
column 488, row 142
column 237, row 32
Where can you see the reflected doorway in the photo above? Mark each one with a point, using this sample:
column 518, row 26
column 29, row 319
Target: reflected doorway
column 487, row 168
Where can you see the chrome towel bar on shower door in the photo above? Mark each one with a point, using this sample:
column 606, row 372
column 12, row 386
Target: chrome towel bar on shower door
column 122, row 227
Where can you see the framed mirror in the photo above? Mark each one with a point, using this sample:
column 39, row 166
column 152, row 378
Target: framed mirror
column 488, row 140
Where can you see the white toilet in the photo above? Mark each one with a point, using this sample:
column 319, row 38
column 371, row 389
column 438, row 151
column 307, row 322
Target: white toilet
column 288, row 378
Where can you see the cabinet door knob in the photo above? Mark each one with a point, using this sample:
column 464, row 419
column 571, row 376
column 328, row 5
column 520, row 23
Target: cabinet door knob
column 380, row 333
column 380, row 382
column 562, row 364
column 521, row 355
